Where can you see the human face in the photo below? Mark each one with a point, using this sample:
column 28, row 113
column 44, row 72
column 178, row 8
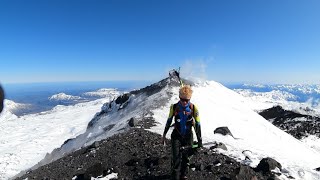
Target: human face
column 184, row 101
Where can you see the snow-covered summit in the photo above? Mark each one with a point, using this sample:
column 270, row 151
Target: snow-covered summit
column 10, row 107
column 102, row 92
column 218, row 106
column 63, row 97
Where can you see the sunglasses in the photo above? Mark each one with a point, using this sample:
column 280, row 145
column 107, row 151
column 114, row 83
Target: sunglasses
column 184, row 100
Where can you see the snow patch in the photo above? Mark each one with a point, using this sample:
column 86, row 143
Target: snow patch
column 102, row 92
column 63, row 97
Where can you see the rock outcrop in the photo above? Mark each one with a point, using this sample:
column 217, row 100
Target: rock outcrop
column 294, row 123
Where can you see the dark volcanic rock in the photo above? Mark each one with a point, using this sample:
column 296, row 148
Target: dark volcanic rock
column 280, row 113
column 122, row 99
column 154, row 88
column 290, row 122
column 245, row 173
column 223, row 130
column 268, row 164
column 132, row 122
column 136, row 154
column 96, row 170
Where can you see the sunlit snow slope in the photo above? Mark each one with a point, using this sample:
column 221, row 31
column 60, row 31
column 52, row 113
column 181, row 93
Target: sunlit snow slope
column 25, row 140
column 220, row 106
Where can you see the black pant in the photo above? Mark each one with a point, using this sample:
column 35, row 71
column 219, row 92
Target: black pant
column 180, row 153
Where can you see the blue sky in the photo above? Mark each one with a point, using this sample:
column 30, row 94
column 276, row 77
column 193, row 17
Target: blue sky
column 253, row 41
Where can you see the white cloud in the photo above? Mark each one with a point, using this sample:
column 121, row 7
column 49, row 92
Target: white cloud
column 195, row 70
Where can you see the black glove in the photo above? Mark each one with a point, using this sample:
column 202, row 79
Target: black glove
column 200, row 143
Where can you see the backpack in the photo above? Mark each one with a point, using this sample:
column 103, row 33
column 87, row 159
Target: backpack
column 189, row 122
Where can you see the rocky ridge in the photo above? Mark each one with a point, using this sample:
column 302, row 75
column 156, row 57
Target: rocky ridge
column 294, row 123
column 138, row 154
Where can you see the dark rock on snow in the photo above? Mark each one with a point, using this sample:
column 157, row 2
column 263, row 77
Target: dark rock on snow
column 268, row 164
column 223, row 130
column 132, row 122
column 122, row 99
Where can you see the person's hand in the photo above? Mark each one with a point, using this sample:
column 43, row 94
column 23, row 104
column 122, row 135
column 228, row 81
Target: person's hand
column 163, row 142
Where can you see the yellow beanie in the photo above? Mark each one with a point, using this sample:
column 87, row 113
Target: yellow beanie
column 185, row 92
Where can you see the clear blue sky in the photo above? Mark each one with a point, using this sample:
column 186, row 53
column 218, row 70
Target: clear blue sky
column 265, row 41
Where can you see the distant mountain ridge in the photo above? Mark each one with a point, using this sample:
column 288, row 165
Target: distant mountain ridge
column 102, row 92
column 303, row 88
column 274, row 95
column 301, row 92
column 63, row 97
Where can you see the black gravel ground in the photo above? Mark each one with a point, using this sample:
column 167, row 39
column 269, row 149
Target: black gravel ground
column 138, row 154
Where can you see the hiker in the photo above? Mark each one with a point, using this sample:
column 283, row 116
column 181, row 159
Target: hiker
column 186, row 116
column 1, row 98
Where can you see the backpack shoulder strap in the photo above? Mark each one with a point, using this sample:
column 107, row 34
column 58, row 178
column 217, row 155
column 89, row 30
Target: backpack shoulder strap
column 176, row 108
column 191, row 106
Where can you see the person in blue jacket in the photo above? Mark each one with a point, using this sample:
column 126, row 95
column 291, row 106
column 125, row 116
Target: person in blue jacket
column 186, row 117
